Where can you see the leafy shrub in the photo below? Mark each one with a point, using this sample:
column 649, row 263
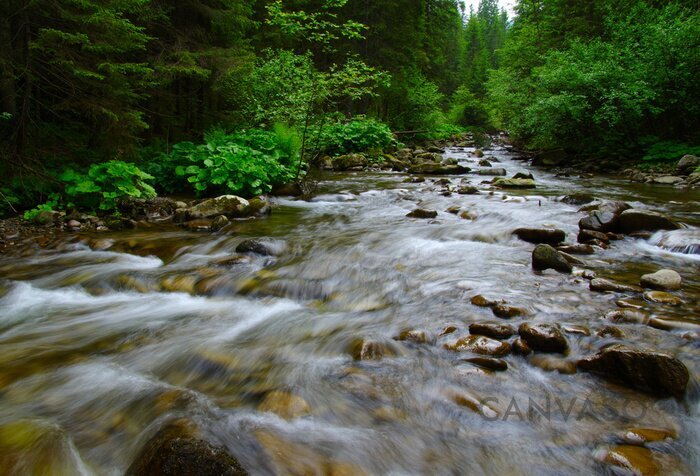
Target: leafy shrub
column 441, row 132
column 49, row 206
column 105, row 184
column 358, row 135
column 246, row 163
column 669, row 151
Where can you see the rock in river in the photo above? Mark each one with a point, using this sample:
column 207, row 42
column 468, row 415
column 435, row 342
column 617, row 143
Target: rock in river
column 228, row 205
column 480, row 345
column 175, row 451
column 636, row 460
column 651, row 371
column 545, row 257
column 543, row 337
column 514, row 183
column 540, row 235
column 437, row 169
column 665, row 279
column 422, row 213
column 266, row 247
column 632, row 221
column 492, row 329
column 605, row 285
column 661, row 297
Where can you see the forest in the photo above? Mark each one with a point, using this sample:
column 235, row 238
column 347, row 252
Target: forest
column 106, row 99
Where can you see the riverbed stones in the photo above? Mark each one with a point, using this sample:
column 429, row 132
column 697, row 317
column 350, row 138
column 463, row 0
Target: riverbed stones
column 667, row 180
column 175, row 450
column 642, row 436
column 605, row 285
column 413, row 335
column 482, row 301
column 633, row 220
column 665, row 279
column 261, row 246
column 543, row 337
column 546, row 257
column 514, row 183
column 490, row 363
column 350, row 162
column 635, row 459
column 438, row 169
column 627, row 316
column 592, row 237
column 228, row 205
column 284, row 404
column 468, row 190
column 493, row 172
column 480, row 345
column 422, row 213
column 470, row 401
column 651, row 371
column 492, row 329
column 578, row 198
column 674, row 324
column 507, row 312
column 362, row 349
column 550, row 363
column 576, row 249
column 661, row 297
column 540, row 235
column 521, row 347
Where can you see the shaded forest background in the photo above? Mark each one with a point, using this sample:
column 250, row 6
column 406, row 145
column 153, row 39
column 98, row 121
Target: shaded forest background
column 235, row 96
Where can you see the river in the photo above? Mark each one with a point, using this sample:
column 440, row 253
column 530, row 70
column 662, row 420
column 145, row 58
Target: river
column 105, row 338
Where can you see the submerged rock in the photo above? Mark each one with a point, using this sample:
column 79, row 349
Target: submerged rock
column 422, row 213
column 507, row 312
column 481, row 301
column 437, row 169
column 492, row 329
column 642, row 436
column 175, row 451
column 285, row 404
column 605, row 285
column 632, row 221
column 651, row 371
column 490, row 363
column 371, row 350
column 543, row 337
column 661, row 297
column 263, row 246
column 540, row 235
column 545, row 257
column 665, row 279
column 628, row 316
column 639, row 461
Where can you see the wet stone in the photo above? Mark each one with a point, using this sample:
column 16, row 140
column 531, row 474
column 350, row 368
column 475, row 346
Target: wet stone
column 640, row 461
column 674, row 324
column 418, row 337
column 627, row 316
column 498, row 365
column 549, row 363
column 611, row 331
column 543, row 337
column 642, row 436
column 507, row 312
column 605, row 285
column 665, row 279
column 492, row 329
column 540, row 235
column 520, row 347
column 573, row 329
column 480, row 345
column 285, row 404
column 481, row 301
column 422, row 213
column 592, row 237
column 661, row 297
column 265, row 247
column 650, row 371
column 448, row 330
column 371, row 350
column 577, row 249
column 633, row 220
column 545, row 257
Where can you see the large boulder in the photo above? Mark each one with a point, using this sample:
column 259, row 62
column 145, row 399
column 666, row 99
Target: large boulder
column 543, row 337
column 650, row 371
column 540, row 235
column 688, row 164
column 176, row 450
column 632, row 221
column 230, row 206
column 662, row 279
column 350, row 161
column 438, row 169
column 545, row 257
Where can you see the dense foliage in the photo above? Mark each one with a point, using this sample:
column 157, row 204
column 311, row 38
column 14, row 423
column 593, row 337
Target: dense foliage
column 92, row 81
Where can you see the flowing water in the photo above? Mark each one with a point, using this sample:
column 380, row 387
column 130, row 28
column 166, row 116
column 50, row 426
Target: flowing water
column 105, row 338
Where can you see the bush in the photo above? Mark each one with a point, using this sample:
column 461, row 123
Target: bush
column 105, row 184
column 466, row 109
column 669, row 151
column 441, row 132
column 358, row 135
column 246, row 163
